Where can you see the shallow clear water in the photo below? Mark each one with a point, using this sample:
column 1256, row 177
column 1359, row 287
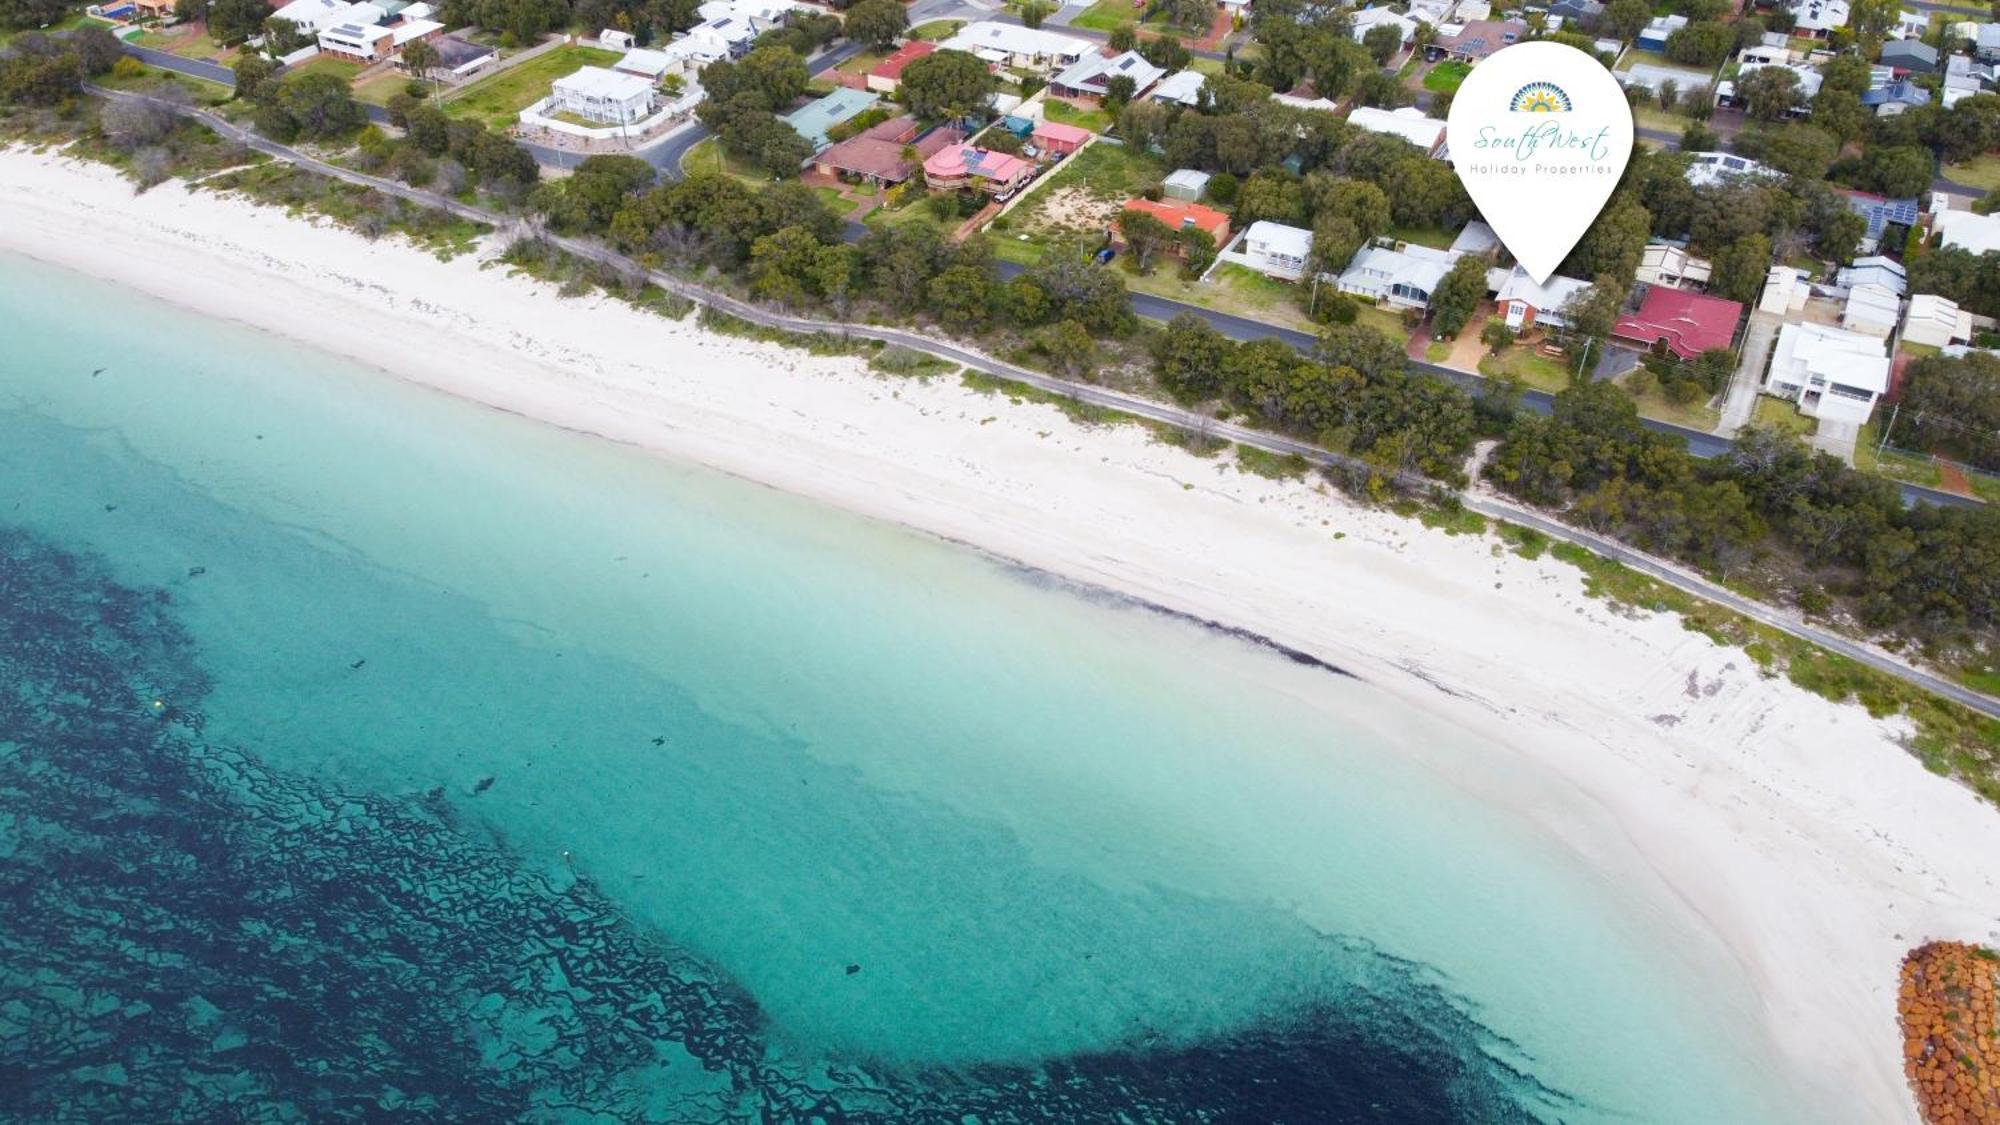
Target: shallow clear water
column 371, row 749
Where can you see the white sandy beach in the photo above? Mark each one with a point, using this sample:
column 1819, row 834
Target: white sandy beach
column 1814, row 847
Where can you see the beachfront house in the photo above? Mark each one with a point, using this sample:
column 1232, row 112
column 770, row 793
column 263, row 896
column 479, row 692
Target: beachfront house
column 602, row 95
column 1401, row 275
column 1020, row 48
column 881, row 154
column 1179, row 216
column 1829, row 372
column 1679, row 322
column 815, row 118
column 1524, row 304
column 1275, row 249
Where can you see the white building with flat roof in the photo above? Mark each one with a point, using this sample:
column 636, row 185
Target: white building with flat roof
column 1830, row 373
column 311, row 16
column 599, row 94
column 1872, row 310
column 647, row 64
column 1967, row 230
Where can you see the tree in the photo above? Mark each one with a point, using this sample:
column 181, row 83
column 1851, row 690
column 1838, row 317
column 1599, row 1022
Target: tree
column 946, row 85
column 1033, row 12
column 1706, row 44
column 1382, row 42
column 1145, row 236
column 1195, row 15
column 252, row 71
column 31, row 14
column 1840, row 113
column 1497, row 336
column 282, row 37
column 1455, row 298
column 1190, row 358
column 779, row 73
column 1740, row 268
column 877, row 23
column 1900, row 171
column 592, row 195
column 1122, row 38
column 320, row 105
column 1805, row 151
column 1118, row 91
column 1769, row 93
column 1272, row 195
column 1069, row 344
column 1624, row 19
column 1590, row 312
column 962, row 298
column 420, row 57
column 1668, row 94
column 1614, row 241
column 232, row 21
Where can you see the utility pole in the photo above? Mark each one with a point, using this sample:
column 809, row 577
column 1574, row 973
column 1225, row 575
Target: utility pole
column 1888, row 429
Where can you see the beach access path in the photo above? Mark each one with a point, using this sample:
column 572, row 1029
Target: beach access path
column 1478, row 500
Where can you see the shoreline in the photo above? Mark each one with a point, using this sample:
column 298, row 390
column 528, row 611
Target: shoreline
column 1793, row 829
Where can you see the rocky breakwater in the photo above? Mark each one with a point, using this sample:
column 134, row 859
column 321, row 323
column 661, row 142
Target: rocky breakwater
column 1949, row 1005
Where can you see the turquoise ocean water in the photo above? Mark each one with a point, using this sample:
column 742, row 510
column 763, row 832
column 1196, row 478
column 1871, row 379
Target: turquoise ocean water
column 369, row 749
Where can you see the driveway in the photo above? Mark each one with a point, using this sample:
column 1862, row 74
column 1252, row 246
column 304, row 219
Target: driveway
column 1837, row 438
column 1740, row 403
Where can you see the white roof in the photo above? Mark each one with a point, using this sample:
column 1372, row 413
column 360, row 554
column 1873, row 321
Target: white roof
column 1192, row 178
column 1874, row 270
column 767, row 13
column 1808, row 351
column 1705, row 168
column 1654, row 77
column 1278, row 238
column 1516, row 285
column 651, row 64
column 1014, row 39
column 417, row 11
column 1369, row 18
column 1419, row 267
column 1662, row 26
column 314, row 14
column 1819, row 15
column 1942, row 311
column 1409, row 123
column 1476, row 238
column 414, row 29
column 1093, row 67
column 597, row 82
column 1968, row 230
column 362, row 33
column 1809, row 79
column 1872, row 305
column 1323, row 105
column 1184, row 88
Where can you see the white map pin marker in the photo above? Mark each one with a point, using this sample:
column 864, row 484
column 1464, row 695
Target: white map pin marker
column 1539, row 134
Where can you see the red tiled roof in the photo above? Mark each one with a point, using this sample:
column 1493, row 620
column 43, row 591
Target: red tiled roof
column 1182, row 215
column 892, row 67
column 1061, row 133
column 1688, row 323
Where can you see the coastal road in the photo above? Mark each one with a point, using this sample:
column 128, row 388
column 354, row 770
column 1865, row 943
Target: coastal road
column 1475, row 499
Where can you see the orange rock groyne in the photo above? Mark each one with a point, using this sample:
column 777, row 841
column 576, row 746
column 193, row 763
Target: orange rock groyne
column 1950, row 1013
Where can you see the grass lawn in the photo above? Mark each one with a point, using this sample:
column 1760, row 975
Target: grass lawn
column 832, row 199
column 936, row 30
column 1889, row 463
column 1095, row 120
column 704, row 156
column 1437, row 351
column 498, row 99
column 1230, row 288
column 1437, row 238
column 1918, row 351
column 1649, row 115
column 862, row 63
column 152, row 77
column 1696, row 415
column 1008, row 247
column 1776, row 413
column 70, row 22
column 1386, row 321
column 1532, row 368
column 188, row 41
column 379, row 89
column 1983, row 173
column 1446, row 77
column 1108, row 15
column 342, row 69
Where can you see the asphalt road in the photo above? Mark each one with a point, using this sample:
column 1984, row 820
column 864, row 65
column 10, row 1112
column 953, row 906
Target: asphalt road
column 1485, row 504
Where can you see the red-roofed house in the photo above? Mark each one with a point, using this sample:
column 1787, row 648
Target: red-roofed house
column 1181, row 216
column 888, row 74
column 1059, row 139
column 876, row 154
column 1686, row 324
column 962, row 165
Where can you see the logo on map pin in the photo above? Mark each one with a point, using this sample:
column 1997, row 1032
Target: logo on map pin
column 1539, row 134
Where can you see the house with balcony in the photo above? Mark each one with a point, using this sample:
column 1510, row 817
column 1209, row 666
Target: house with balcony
column 1525, row 303
column 603, row 95
column 961, row 167
column 1274, row 250
column 1401, row 275
column 1828, row 372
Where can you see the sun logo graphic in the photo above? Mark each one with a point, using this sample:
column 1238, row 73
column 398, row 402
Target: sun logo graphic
column 1540, row 97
